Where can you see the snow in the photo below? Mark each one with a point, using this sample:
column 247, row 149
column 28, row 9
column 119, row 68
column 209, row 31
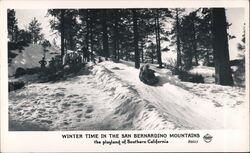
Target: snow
column 169, row 57
column 109, row 96
column 30, row 57
column 207, row 73
column 203, row 70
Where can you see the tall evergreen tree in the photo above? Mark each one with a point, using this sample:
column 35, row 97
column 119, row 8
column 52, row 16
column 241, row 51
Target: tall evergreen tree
column 64, row 22
column 35, row 31
column 176, row 15
column 205, row 37
column 162, row 15
column 12, row 23
column 116, row 16
column 135, row 29
column 188, row 36
column 223, row 74
column 62, row 29
column 85, row 30
column 24, row 35
column 105, row 33
column 158, row 40
column 177, row 19
column 146, row 27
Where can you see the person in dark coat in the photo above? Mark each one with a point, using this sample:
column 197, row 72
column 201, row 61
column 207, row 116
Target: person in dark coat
column 43, row 63
column 52, row 64
column 147, row 75
column 85, row 54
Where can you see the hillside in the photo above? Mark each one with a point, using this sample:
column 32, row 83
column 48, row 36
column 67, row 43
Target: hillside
column 30, row 57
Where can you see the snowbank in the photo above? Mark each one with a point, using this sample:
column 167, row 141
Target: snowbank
column 130, row 111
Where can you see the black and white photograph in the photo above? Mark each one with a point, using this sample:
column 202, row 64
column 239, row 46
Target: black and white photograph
column 124, row 76
column 126, row 69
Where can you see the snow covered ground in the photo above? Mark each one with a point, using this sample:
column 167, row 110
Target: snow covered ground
column 109, row 96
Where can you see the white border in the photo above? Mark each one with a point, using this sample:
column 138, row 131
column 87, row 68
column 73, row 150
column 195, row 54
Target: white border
column 224, row 140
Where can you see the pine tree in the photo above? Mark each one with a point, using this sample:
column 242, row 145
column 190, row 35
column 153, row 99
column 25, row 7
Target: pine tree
column 65, row 24
column 176, row 15
column 135, row 29
column 116, row 16
column 91, row 24
column 188, row 36
column 205, row 37
column 105, row 34
column 62, row 29
column 151, row 52
column 24, row 35
column 223, row 74
column 35, row 30
column 12, row 23
column 146, row 27
column 158, row 40
column 84, row 35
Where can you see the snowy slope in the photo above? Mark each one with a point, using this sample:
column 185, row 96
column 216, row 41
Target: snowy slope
column 110, row 96
column 190, row 104
column 30, row 57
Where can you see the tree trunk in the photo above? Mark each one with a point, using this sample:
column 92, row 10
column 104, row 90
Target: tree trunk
column 223, row 74
column 87, row 34
column 91, row 35
column 178, row 41
column 105, row 34
column 115, row 35
column 194, row 45
column 13, row 33
column 71, row 41
column 158, row 41
column 135, row 29
column 142, row 58
column 16, row 33
column 119, row 50
column 62, row 33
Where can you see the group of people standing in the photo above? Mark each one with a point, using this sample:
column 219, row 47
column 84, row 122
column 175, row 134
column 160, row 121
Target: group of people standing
column 74, row 59
column 54, row 63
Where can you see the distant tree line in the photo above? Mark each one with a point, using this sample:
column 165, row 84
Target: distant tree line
column 112, row 33
column 200, row 35
column 137, row 35
column 32, row 34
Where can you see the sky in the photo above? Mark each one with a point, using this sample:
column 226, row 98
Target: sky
column 24, row 17
column 234, row 16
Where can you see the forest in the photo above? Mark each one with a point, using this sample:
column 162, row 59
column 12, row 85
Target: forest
column 137, row 35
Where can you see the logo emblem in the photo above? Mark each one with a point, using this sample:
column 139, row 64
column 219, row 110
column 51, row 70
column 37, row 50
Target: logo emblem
column 207, row 138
